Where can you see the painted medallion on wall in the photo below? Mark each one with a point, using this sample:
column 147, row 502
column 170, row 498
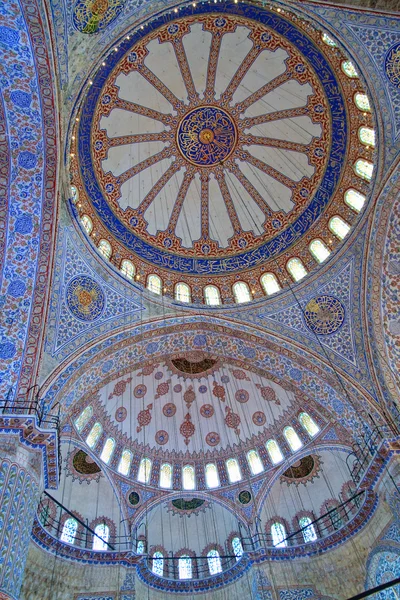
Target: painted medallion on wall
column 324, row 315
column 392, row 65
column 92, row 16
column 85, row 298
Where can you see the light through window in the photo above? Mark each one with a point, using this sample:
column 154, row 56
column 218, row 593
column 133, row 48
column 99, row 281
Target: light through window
column 84, row 418
column 308, row 529
column 104, row 248
column 309, row 424
column 107, row 450
column 188, row 478
column 214, row 562
column 319, row 251
column 296, row 269
column 364, row 169
column 237, row 548
column 292, row 438
column 94, row 435
column 367, row 136
column 87, row 224
column 212, row 477
column 125, row 462
column 140, row 547
column 328, row 40
column 270, row 284
column 211, row 295
column 241, row 292
column 274, row 452
column 182, row 292
column 69, row 531
column 128, row 269
column 74, row 194
column 255, row 463
column 354, row 199
column 362, row 102
column 166, row 476
column 185, row 567
column 158, row 564
column 232, row 466
column 103, row 531
column 278, row 534
column 154, row 284
column 339, row 227
column 349, row 69
column 144, row 470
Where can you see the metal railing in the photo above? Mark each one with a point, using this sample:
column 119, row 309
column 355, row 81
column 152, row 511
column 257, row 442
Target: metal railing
column 365, row 449
column 31, row 405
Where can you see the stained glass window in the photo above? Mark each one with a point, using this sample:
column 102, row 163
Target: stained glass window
column 158, row 564
column 154, row 284
column 232, row 466
column 364, row 169
column 309, row 424
column 144, row 470
column 309, row 533
column 94, row 435
column 339, row 227
column 188, row 478
column 107, row 450
column 296, row 269
column 362, row 102
column 185, row 567
column 214, row 562
column 125, row 462
column 292, row 438
column 237, row 548
column 278, row 534
column 319, row 251
column 354, row 199
column 87, row 224
column 241, row 292
column 349, row 69
column 328, row 40
column 104, row 248
column 255, row 463
column 140, row 547
column 69, row 531
column 103, row 531
column 212, row 477
column 74, row 194
column 367, row 136
column 182, row 292
column 211, row 295
column 84, row 418
column 166, row 476
column 274, row 452
column 270, row 284
column 128, row 269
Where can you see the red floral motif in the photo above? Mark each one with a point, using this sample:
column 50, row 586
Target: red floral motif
column 147, row 370
column 239, row 374
column 259, row 418
column 169, row 409
column 268, row 393
column 161, row 437
column 187, row 428
column 242, row 396
column 189, row 396
column 213, row 438
column 119, row 388
column 120, row 414
column 140, row 390
column 207, row 411
column 219, row 391
column 232, row 419
column 162, row 389
column 144, row 417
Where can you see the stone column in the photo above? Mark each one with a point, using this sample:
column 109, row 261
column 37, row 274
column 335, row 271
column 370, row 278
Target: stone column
column 20, row 487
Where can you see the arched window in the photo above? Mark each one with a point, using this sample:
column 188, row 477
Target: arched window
column 188, row 478
column 144, row 470
column 214, row 562
column 255, row 463
column 94, row 435
column 103, row 531
column 212, row 295
column 107, row 450
column 125, row 462
column 87, row 224
column 296, row 269
column 309, row 424
column 185, row 567
column 349, row 69
column 274, row 452
column 212, row 477
column 328, row 40
column 84, row 418
column 319, row 251
column 74, row 194
column 270, row 284
column 158, row 563
column 166, row 476
column 362, row 102
column 237, row 547
column 128, row 269
column 308, row 529
column 354, row 199
column 154, row 284
column 292, row 438
column 364, row 169
column 278, row 534
column 339, row 227
column 367, row 136
column 182, row 292
column 233, row 469
column 241, row 292
column 140, row 547
column 69, row 531
column 104, row 248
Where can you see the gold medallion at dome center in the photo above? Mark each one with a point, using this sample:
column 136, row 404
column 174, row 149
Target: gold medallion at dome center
column 84, row 297
column 206, row 136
